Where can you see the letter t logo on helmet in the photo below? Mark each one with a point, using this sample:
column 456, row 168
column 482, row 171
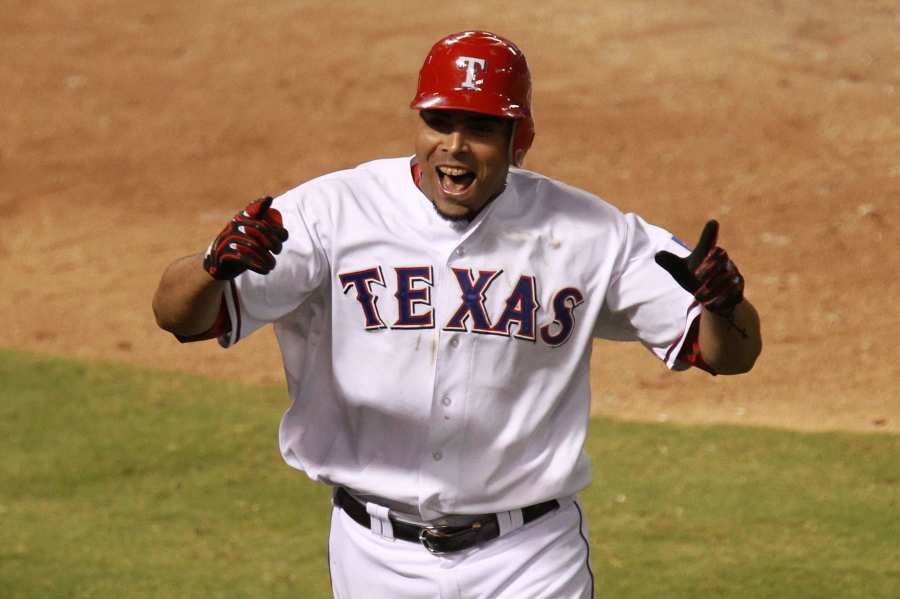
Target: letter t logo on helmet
column 471, row 65
column 481, row 72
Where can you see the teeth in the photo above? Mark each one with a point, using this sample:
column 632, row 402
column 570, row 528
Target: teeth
column 452, row 171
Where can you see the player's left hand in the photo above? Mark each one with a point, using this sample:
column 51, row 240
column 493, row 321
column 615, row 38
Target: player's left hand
column 707, row 273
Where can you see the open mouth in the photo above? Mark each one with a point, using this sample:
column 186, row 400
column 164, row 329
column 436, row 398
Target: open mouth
column 455, row 180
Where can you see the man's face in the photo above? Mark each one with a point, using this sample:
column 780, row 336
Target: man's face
column 464, row 159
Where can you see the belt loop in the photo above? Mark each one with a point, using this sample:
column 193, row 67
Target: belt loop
column 380, row 523
column 509, row 521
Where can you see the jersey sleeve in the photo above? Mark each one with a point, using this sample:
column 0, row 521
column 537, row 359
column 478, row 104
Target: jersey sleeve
column 253, row 300
column 643, row 302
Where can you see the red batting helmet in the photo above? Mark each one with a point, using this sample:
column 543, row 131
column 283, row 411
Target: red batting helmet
column 480, row 72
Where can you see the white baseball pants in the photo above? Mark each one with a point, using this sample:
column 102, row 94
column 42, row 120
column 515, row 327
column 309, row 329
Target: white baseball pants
column 545, row 559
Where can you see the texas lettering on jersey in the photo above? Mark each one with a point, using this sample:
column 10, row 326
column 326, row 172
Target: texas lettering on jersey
column 415, row 311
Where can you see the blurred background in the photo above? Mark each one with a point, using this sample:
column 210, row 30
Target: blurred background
column 131, row 132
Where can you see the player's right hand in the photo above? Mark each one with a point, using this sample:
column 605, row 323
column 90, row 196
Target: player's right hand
column 248, row 242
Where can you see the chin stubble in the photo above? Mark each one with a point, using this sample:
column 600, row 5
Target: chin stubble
column 461, row 218
column 465, row 218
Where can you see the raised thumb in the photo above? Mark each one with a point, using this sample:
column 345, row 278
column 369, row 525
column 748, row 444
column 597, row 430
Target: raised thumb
column 678, row 268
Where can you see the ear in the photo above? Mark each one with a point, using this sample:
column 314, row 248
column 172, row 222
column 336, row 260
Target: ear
column 519, row 158
column 520, row 136
column 515, row 158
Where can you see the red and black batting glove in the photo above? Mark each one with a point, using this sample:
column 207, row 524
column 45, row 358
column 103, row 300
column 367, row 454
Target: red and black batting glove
column 249, row 241
column 708, row 274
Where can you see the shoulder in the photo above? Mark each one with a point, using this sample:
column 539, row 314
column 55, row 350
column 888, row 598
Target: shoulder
column 347, row 185
column 542, row 197
column 359, row 178
column 584, row 215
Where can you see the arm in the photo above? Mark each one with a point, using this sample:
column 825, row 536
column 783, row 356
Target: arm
column 189, row 296
column 731, row 347
column 729, row 335
column 187, row 299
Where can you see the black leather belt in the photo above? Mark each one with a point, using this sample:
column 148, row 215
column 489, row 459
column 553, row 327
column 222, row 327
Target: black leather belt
column 440, row 539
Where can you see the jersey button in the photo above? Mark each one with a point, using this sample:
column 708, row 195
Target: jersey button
column 446, row 400
column 437, row 455
column 454, row 342
column 460, row 251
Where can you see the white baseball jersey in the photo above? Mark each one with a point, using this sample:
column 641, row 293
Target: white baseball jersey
column 445, row 366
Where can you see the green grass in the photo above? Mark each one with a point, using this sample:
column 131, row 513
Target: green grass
column 118, row 482
column 742, row 512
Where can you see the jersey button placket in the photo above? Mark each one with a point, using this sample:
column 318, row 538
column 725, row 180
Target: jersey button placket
column 446, row 426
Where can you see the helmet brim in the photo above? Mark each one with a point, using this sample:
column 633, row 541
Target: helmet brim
column 482, row 103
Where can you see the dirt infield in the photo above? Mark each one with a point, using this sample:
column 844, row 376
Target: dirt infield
column 131, row 133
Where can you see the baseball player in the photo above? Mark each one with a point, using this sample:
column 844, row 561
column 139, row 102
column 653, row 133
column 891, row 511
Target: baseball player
column 436, row 313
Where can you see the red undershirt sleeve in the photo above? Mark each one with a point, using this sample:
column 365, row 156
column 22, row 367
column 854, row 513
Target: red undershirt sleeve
column 690, row 350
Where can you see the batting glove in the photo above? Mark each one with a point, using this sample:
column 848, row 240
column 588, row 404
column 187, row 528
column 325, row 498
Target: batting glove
column 707, row 273
column 249, row 241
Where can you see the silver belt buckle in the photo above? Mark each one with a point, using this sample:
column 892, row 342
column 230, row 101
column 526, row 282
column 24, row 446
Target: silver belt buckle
column 431, row 534
column 426, row 540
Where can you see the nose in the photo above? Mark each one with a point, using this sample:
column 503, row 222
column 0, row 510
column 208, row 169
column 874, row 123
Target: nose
column 456, row 141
